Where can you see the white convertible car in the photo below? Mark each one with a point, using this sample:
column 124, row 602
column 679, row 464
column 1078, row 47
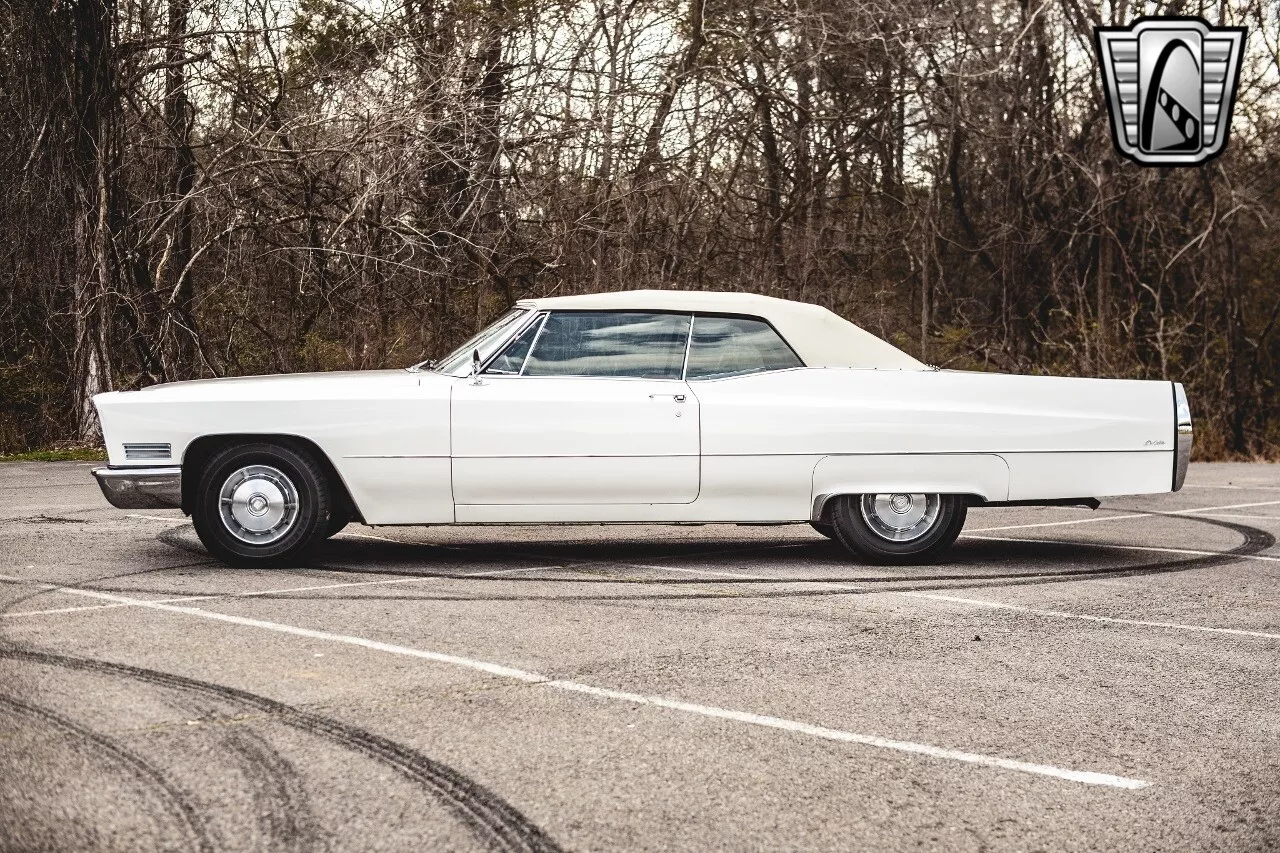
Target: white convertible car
column 663, row 407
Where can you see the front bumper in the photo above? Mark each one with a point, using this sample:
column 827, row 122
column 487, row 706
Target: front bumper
column 141, row 488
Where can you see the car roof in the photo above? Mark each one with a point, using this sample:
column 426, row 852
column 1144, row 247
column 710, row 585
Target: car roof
column 820, row 337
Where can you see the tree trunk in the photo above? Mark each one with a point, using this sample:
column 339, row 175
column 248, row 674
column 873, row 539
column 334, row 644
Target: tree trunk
column 94, row 144
column 1105, row 254
column 178, row 349
column 675, row 79
column 772, row 177
column 486, row 177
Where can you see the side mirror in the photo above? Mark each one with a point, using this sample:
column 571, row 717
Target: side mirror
column 475, row 367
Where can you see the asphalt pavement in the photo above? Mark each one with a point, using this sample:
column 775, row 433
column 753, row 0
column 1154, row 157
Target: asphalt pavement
column 1067, row 680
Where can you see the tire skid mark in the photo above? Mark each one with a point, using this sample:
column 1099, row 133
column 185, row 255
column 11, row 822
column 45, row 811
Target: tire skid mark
column 493, row 822
column 52, row 588
column 1255, row 541
column 277, row 791
column 659, row 581
column 283, row 812
column 578, row 564
column 1068, row 574
column 190, row 821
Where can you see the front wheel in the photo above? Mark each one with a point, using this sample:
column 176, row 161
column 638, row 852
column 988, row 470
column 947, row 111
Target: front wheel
column 261, row 504
column 899, row 528
column 825, row 529
column 339, row 518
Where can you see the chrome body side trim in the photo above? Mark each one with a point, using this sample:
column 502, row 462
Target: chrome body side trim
column 1184, row 435
column 141, row 488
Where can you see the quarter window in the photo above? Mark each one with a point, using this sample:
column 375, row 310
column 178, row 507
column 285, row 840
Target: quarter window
column 734, row 346
column 613, row 343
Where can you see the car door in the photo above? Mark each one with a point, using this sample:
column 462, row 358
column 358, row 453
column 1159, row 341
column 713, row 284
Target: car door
column 581, row 408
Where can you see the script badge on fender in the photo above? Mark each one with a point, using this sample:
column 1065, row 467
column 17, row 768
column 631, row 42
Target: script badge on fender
column 1170, row 86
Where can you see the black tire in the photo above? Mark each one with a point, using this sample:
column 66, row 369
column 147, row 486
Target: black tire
column 339, row 518
column 274, row 469
column 825, row 529
column 861, row 534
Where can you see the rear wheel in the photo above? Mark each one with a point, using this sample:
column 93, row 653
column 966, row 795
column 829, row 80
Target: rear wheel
column 261, row 504
column 898, row 528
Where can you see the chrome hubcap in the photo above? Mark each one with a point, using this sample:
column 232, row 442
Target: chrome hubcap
column 259, row 504
column 900, row 517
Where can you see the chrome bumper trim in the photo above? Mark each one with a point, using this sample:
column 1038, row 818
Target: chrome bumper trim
column 141, row 488
column 1184, row 435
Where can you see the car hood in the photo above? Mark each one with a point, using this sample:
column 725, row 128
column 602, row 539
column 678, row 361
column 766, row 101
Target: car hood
column 336, row 376
column 347, row 384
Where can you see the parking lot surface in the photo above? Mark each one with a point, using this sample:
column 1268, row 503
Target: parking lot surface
column 1067, row 680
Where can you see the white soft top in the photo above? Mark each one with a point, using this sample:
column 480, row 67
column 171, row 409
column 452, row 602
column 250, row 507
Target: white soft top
column 820, row 337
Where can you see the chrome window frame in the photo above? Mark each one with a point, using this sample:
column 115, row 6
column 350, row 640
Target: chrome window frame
column 538, row 317
column 547, row 314
column 503, row 342
column 541, row 316
column 731, row 316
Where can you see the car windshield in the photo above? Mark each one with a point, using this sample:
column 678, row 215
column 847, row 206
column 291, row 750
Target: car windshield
column 458, row 362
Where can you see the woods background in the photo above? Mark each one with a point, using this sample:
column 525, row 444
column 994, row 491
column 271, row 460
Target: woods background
column 212, row 187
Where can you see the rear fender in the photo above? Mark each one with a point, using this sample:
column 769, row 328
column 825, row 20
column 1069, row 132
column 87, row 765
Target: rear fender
column 983, row 475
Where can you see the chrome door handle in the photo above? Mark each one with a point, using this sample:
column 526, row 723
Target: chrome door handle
column 679, row 398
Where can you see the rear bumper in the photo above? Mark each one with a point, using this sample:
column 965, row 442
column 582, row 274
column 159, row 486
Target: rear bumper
column 141, row 488
column 1183, row 437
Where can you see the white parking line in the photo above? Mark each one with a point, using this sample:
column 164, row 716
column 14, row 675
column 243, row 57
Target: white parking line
column 707, row 572
column 495, row 572
column 354, row 535
column 568, row 563
column 1062, row 614
column 1188, row 551
column 211, row 597
column 344, row 533
column 1082, row 776
column 53, row 611
column 1243, row 488
column 258, row 593
column 501, row 671
column 1096, row 519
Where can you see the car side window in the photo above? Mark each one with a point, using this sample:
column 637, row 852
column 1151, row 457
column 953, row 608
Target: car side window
column 735, row 346
column 610, row 343
column 511, row 360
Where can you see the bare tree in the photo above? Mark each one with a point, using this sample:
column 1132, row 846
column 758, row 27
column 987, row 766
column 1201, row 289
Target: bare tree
column 238, row 186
